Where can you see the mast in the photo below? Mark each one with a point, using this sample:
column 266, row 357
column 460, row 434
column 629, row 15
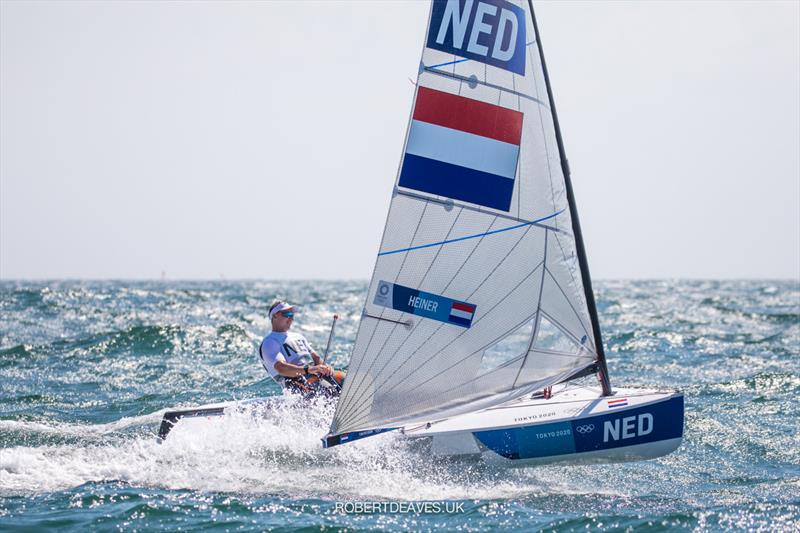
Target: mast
column 602, row 370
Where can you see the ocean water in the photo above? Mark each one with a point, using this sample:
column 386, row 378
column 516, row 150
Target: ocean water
column 87, row 369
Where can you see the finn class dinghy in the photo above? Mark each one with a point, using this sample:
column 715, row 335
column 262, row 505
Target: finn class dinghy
column 480, row 313
column 480, row 316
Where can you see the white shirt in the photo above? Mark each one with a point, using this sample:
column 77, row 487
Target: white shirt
column 288, row 347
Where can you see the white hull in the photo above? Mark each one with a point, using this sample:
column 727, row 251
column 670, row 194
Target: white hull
column 575, row 426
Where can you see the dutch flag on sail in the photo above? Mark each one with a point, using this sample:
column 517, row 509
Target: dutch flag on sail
column 461, row 313
column 463, row 149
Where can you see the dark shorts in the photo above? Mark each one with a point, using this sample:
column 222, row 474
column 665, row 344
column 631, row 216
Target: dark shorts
column 313, row 386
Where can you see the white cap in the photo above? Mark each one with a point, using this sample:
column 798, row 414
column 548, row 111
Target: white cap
column 282, row 306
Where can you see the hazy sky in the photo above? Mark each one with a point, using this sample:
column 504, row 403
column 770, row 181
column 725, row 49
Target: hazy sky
column 261, row 140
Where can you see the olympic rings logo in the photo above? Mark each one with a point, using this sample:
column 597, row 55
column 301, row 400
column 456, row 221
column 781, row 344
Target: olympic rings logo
column 583, row 430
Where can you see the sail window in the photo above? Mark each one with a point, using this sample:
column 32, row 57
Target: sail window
column 511, row 347
column 551, row 338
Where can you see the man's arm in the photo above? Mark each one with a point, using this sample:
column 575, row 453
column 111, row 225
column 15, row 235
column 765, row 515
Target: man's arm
column 292, row 371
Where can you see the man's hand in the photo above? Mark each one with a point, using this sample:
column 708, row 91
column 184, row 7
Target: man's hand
column 321, row 370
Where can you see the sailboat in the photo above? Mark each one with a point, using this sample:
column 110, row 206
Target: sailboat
column 480, row 314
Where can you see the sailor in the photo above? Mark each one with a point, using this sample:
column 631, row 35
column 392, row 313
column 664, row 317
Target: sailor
column 290, row 360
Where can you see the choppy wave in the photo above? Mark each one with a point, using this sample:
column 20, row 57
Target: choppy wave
column 88, row 368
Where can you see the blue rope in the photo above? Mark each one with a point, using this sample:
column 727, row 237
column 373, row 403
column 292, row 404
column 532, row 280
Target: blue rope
column 440, row 243
column 448, row 63
column 462, row 60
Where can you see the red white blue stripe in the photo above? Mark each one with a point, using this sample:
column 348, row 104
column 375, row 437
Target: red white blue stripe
column 463, row 149
column 461, row 313
column 617, row 403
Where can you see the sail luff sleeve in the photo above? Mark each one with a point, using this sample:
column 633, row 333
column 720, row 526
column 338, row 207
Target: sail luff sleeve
column 576, row 225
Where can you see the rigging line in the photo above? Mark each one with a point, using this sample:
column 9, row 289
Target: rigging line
column 408, row 335
column 450, row 203
column 475, row 80
column 345, row 401
column 357, row 411
column 441, row 243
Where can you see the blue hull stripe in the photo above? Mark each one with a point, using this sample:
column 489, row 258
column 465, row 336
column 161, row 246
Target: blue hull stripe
column 640, row 425
column 459, row 183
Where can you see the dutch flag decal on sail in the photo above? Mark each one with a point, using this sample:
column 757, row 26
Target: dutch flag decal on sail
column 463, row 149
column 461, row 313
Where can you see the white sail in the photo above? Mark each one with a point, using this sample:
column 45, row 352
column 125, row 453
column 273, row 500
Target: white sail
column 476, row 297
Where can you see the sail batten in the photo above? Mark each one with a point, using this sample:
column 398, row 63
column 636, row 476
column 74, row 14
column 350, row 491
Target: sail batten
column 479, row 245
column 473, row 80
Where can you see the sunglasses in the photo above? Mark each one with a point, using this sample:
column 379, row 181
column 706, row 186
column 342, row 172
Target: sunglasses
column 287, row 314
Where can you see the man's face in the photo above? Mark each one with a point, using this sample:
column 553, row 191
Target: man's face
column 282, row 321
